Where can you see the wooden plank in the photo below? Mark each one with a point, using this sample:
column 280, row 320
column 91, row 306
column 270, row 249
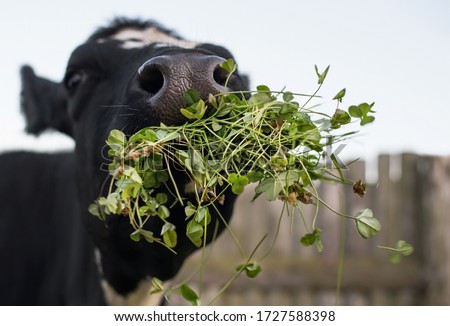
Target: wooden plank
column 409, row 201
column 329, row 222
column 355, row 244
column 385, row 206
column 437, row 226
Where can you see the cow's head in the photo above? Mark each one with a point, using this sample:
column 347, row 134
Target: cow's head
column 126, row 76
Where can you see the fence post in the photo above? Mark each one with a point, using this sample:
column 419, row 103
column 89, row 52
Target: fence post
column 436, row 214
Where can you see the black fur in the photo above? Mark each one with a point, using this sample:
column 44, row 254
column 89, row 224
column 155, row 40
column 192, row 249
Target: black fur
column 47, row 256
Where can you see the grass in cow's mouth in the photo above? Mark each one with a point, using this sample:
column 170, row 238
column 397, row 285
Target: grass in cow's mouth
column 269, row 139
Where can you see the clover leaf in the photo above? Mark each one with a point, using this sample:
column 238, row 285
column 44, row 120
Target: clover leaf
column 366, row 224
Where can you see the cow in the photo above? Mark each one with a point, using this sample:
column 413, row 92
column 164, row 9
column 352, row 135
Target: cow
column 128, row 75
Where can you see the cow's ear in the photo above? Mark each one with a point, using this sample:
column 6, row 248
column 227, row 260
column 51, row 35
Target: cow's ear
column 44, row 104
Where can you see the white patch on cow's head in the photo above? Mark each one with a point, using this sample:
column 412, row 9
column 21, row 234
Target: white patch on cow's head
column 137, row 38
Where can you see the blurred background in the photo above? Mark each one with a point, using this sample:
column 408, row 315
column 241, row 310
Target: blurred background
column 395, row 53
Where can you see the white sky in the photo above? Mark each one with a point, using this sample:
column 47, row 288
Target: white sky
column 396, row 53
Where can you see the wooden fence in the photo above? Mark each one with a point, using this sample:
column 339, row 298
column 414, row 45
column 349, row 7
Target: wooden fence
column 411, row 198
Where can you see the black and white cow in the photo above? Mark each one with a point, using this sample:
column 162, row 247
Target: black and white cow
column 128, row 75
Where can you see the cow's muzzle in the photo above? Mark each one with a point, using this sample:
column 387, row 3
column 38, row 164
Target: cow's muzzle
column 164, row 79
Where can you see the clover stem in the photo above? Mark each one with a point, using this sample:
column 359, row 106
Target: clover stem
column 236, row 275
column 230, row 231
column 276, row 233
column 169, row 171
column 341, row 261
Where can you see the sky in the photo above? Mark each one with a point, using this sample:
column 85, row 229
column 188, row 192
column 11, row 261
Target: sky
column 393, row 53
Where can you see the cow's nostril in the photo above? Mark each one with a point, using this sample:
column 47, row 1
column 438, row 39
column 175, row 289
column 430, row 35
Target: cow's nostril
column 220, row 75
column 151, row 79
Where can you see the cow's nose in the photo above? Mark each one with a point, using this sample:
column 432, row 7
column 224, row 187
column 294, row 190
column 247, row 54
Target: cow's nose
column 166, row 78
